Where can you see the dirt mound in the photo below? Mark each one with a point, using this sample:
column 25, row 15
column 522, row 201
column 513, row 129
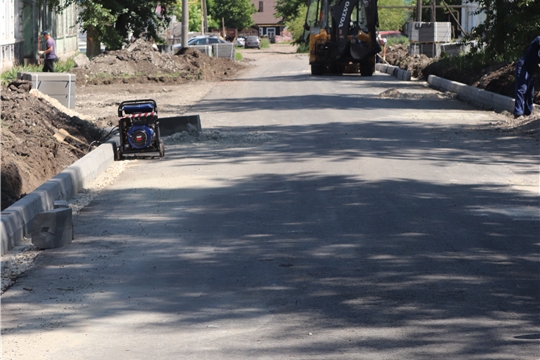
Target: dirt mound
column 499, row 78
column 140, row 63
column 31, row 154
column 398, row 55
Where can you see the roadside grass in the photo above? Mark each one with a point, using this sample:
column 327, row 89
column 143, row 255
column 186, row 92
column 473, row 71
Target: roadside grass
column 472, row 61
column 8, row 76
column 238, row 56
column 265, row 43
column 303, row 48
column 397, row 40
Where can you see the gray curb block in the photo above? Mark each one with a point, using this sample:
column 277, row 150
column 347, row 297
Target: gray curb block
column 16, row 220
column 479, row 97
column 394, row 71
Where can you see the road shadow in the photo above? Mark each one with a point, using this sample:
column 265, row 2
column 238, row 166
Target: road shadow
column 437, row 262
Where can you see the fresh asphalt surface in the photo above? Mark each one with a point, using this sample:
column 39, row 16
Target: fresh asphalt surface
column 364, row 228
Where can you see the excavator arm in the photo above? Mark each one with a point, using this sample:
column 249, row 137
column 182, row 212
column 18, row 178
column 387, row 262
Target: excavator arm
column 341, row 18
column 342, row 27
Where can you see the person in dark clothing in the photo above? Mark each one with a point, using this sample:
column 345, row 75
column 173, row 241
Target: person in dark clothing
column 49, row 54
column 525, row 69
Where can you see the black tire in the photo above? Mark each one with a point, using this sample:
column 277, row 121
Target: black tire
column 367, row 69
column 317, row 69
column 161, row 149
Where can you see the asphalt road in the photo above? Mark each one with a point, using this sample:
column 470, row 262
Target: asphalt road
column 322, row 221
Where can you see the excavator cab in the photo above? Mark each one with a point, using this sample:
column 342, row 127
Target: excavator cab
column 342, row 36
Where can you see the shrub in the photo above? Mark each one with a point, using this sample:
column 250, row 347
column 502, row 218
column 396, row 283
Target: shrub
column 265, row 43
column 397, row 40
column 303, row 47
column 8, row 76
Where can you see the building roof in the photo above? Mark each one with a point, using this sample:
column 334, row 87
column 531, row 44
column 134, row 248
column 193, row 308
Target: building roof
column 266, row 16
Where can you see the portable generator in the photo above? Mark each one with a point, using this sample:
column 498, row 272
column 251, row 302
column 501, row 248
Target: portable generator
column 138, row 127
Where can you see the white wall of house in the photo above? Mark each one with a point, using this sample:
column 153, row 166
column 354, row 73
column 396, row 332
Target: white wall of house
column 66, row 32
column 11, row 36
column 469, row 18
column 21, row 23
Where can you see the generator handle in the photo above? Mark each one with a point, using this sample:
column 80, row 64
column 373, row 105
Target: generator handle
column 136, row 102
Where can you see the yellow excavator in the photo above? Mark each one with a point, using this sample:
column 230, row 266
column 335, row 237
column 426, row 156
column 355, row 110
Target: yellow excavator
column 342, row 36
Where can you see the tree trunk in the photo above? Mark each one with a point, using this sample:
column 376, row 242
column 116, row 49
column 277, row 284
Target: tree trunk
column 93, row 45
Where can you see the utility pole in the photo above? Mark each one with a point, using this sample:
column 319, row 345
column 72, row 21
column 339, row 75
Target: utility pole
column 433, row 11
column 419, row 10
column 185, row 23
column 205, row 16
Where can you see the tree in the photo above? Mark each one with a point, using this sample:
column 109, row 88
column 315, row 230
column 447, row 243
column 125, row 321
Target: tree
column 110, row 21
column 392, row 19
column 236, row 13
column 289, row 9
column 195, row 15
column 295, row 24
column 509, row 27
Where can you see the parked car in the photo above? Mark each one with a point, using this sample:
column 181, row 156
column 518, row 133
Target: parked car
column 241, row 41
column 202, row 40
column 253, row 42
column 206, row 40
column 390, row 33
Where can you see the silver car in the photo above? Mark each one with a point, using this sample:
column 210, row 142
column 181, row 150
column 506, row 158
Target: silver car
column 253, row 42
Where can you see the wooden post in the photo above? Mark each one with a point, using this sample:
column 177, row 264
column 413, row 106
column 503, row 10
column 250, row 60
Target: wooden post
column 185, row 23
column 223, row 26
column 419, row 10
column 433, row 11
column 205, row 16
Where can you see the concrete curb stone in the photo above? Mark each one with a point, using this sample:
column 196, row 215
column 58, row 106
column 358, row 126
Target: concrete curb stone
column 478, row 97
column 394, row 71
column 16, row 220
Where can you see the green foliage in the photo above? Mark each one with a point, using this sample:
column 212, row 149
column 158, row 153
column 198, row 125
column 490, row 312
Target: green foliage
column 296, row 24
column 238, row 56
column 195, row 15
column 289, row 9
column 303, row 48
column 100, row 19
column 64, row 66
column 8, row 76
column 112, row 20
column 397, row 40
column 392, row 19
column 473, row 61
column 236, row 13
column 265, row 43
column 509, row 27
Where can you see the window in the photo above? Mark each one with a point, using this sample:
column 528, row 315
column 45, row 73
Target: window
column 261, row 6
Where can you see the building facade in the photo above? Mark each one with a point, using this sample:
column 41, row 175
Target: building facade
column 21, row 24
column 265, row 21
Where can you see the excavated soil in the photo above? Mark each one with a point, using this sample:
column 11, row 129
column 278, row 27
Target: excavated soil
column 30, row 152
column 140, row 63
column 499, row 78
